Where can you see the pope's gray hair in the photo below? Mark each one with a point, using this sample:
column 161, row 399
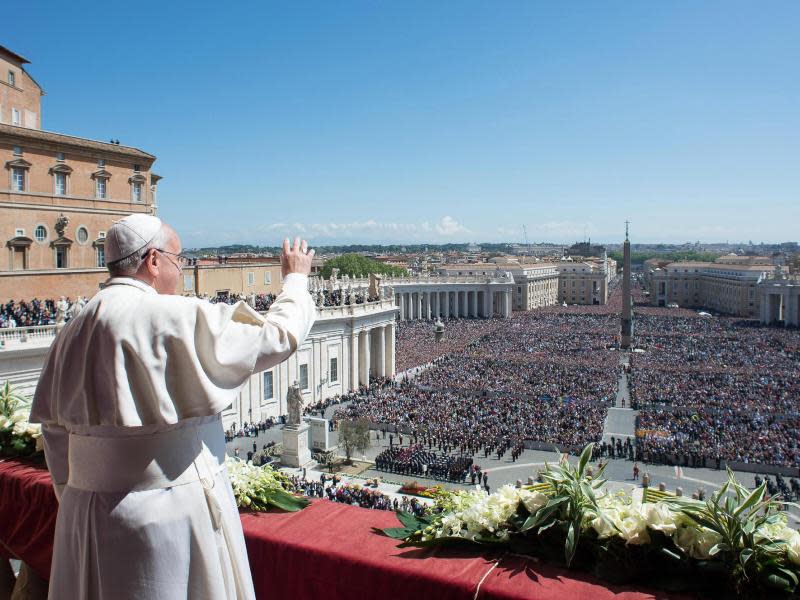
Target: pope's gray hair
column 131, row 263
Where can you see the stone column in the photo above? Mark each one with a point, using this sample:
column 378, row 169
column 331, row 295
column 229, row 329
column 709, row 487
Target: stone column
column 436, row 305
column 490, row 306
column 428, row 305
column 509, row 304
column 474, row 311
column 455, row 305
column 464, row 304
column 389, row 369
column 380, row 347
column 409, row 306
column 418, row 306
column 364, row 356
column 354, row 361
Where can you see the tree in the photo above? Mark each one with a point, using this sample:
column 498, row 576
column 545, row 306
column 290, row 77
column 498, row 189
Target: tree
column 354, row 435
column 356, row 264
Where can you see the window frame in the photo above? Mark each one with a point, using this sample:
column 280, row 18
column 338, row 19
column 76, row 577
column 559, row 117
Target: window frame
column 98, row 182
column 85, row 230
column 271, row 397
column 46, row 233
column 12, row 78
column 333, row 369
column 18, row 175
column 100, row 255
column 56, row 176
column 301, row 369
column 64, row 250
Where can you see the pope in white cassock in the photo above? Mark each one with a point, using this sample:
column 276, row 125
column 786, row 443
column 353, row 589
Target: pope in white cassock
column 130, row 400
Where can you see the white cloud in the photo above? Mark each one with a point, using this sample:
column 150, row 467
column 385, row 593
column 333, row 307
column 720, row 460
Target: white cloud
column 363, row 231
column 449, row 226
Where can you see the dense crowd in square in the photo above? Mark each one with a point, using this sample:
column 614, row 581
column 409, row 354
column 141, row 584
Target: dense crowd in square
column 716, row 388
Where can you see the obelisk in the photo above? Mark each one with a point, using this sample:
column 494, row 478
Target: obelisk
column 626, row 337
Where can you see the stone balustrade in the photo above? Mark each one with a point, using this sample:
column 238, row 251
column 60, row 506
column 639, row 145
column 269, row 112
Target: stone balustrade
column 22, row 335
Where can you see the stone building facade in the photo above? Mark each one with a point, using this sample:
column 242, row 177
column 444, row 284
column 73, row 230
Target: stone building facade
column 730, row 289
column 779, row 295
column 59, row 194
column 535, row 283
column 231, row 280
column 583, row 282
column 348, row 346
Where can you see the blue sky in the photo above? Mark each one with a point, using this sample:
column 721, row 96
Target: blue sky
column 435, row 122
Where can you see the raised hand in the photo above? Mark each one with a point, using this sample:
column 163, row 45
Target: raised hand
column 297, row 258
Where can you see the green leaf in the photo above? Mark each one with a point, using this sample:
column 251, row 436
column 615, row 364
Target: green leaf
column 746, row 555
column 398, row 533
column 286, row 501
column 569, row 546
column 754, row 498
column 584, row 460
column 781, row 583
column 790, row 575
column 409, row 520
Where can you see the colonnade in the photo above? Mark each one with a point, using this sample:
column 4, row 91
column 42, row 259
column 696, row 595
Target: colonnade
column 454, row 304
column 372, row 353
column 781, row 305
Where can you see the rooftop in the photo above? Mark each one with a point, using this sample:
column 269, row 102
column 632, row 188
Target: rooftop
column 71, row 140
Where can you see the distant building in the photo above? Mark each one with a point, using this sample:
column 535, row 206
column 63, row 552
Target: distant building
column 535, row 283
column 60, row 195
column 726, row 288
column 225, row 280
column 779, row 295
column 583, row 282
column 585, row 249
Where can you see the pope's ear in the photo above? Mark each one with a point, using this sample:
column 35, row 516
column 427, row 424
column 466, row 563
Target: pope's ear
column 151, row 262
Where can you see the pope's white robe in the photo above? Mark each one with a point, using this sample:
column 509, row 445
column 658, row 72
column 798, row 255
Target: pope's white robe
column 130, row 400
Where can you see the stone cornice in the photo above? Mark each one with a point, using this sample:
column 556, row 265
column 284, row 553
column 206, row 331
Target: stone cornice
column 18, row 163
column 101, row 174
column 19, row 242
column 62, row 241
column 60, row 168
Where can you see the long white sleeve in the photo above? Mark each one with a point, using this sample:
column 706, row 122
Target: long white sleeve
column 133, row 357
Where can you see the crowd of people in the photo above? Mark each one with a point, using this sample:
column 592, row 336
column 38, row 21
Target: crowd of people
column 546, row 376
column 333, row 488
column 260, row 302
column 33, row 313
column 416, row 344
column 714, row 389
column 416, row 460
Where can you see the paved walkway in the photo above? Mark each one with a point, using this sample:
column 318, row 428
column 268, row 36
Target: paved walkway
column 621, row 420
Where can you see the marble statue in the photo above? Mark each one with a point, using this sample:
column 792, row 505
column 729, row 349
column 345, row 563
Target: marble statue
column 294, row 404
column 62, row 306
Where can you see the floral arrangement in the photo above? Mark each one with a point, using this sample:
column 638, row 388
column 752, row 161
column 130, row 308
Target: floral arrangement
column 415, row 489
column 262, row 488
column 18, row 437
column 735, row 544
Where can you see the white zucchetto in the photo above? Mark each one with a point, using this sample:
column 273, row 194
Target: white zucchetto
column 130, row 234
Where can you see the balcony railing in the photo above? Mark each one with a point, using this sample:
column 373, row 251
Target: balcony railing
column 22, row 335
